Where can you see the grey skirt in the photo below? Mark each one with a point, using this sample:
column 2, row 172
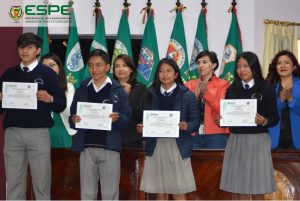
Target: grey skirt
column 247, row 166
column 166, row 172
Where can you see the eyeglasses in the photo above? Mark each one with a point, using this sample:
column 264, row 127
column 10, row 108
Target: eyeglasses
column 53, row 65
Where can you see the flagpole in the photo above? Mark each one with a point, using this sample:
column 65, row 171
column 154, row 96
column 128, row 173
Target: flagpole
column 203, row 4
column 126, row 4
column 178, row 4
column 149, row 4
column 97, row 12
column 233, row 3
column 234, row 11
column 70, row 2
column 179, row 7
column 71, row 9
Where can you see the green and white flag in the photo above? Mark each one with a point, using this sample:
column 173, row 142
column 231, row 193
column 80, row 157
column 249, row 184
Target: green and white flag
column 200, row 43
column 233, row 47
column 123, row 41
column 74, row 66
column 99, row 41
column 177, row 47
column 149, row 56
column 42, row 32
column 74, row 69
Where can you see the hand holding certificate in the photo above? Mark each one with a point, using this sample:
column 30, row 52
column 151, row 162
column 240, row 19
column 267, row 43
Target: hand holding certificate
column 238, row 112
column 161, row 123
column 19, row 95
column 94, row 116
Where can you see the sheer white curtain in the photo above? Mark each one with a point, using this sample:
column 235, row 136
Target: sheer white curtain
column 278, row 36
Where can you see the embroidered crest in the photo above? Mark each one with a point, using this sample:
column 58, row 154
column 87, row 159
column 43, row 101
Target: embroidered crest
column 176, row 52
column 97, row 45
column 146, row 61
column 198, row 47
column 74, row 60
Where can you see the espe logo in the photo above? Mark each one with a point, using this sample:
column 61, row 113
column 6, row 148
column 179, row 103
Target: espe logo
column 47, row 9
column 16, row 12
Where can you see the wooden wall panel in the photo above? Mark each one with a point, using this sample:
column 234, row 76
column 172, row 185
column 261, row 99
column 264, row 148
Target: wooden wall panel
column 206, row 164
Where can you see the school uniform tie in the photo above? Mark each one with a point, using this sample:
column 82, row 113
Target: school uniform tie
column 168, row 93
column 247, row 86
column 25, row 69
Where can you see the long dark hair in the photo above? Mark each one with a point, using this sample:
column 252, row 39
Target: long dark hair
column 273, row 76
column 61, row 73
column 254, row 65
column 128, row 61
column 173, row 64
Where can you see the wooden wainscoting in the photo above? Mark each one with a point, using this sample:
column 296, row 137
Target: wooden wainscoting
column 207, row 165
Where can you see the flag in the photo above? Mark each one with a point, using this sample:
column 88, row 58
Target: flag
column 99, row 40
column 177, row 47
column 74, row 69
column 123, row 41
column 200, row 43
column 149, row 56
column 42, row 32
column 233, row 47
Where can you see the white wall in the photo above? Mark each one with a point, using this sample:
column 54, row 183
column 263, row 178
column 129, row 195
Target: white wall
column 251, row 14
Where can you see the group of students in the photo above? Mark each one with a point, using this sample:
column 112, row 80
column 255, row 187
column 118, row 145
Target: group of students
column 247, row 167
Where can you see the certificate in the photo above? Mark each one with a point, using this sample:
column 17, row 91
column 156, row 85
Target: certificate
column 238, row 112
column 161, row 123
column 94, row 116
column 19, row 95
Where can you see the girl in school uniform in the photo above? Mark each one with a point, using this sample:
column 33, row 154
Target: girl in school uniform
column 247, row 167
column 168, row 167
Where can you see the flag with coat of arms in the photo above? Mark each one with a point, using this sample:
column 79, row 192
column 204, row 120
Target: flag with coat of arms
column 149, row 56
column 61, row 132
column 200, row 43
column 74, row 66
column 123, row 41
column 232, row 49
column 177, row 46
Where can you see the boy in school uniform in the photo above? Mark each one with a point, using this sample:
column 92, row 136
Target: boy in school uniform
column 100, row 149
column 27, row 139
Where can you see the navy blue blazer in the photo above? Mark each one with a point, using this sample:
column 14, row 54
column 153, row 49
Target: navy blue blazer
column 121, row 104
column 186, row 103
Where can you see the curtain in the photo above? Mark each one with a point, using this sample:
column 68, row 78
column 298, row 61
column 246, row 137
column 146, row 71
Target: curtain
column 278, row 36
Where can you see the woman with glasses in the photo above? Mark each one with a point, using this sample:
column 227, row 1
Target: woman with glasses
column 60, row 133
